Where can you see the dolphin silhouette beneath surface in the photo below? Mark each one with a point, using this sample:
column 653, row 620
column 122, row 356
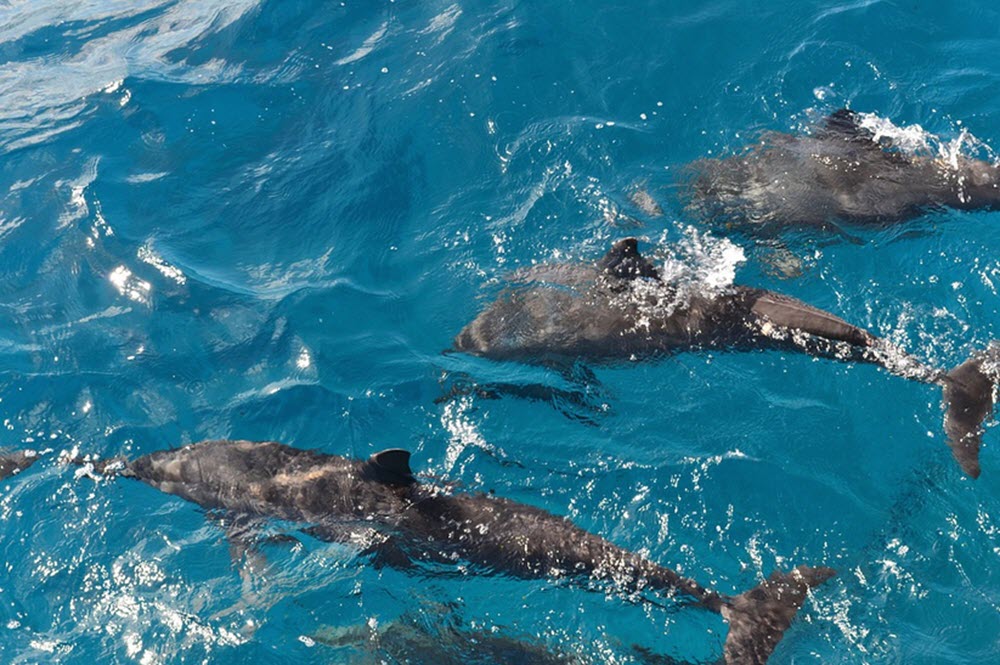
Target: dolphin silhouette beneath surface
column 620, row 309
column 379, row 501
column 840, row 172
column 416, row 637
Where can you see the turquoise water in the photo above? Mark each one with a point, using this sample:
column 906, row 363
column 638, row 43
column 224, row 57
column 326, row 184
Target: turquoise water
column 266, row 220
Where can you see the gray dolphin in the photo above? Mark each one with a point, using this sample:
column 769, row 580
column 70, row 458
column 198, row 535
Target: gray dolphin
column 343, row 499
column 620, row 309
column 837, row 173
column 419, row 637
column 12, row 462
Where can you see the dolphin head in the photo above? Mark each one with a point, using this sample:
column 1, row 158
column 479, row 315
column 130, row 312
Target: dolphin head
column 472, row 338
column 512, row 326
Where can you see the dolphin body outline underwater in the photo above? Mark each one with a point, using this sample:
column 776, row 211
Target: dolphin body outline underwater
column 379, row 501
column 838, row 173
column 620, row 309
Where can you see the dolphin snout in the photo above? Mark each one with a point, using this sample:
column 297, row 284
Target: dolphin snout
column 465, row 341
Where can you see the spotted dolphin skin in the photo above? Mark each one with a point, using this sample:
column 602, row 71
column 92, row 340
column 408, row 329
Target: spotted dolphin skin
column 620, row 309
column 838, row 173
column 342, row 498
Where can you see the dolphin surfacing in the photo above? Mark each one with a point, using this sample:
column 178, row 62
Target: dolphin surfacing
column 620, row 309
column 337, row 496
column 12, row 462
column 838, row 173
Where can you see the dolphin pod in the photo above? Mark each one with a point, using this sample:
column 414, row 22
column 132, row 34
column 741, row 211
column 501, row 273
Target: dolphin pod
column 621, row 309
column 838, row 173
column 380, row 502
column 617, row 309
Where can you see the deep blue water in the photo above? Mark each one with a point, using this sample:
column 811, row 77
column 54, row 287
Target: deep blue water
column 266, row 220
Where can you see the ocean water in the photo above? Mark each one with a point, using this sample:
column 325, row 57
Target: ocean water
column 267, row 219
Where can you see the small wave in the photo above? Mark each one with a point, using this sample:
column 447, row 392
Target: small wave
column 46, row 96
column 366, row 47
column 148, row 255
column 443, row 24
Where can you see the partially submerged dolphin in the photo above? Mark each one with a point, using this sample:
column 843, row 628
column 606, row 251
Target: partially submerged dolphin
column 379, row 498
column 839, row 173
column 415, row 637
column 15, row 462
column 620, row 309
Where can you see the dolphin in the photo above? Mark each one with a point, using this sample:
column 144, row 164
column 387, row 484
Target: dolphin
column 621, row 309
column 838, row 173
column 422, row 635
column 379, row 500
column 415, row 637
column 12, row 462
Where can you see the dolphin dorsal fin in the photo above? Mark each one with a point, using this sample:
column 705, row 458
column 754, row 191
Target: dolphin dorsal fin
column 392, row 466
column 844, row 124
column 843, row 121
column 624, row 261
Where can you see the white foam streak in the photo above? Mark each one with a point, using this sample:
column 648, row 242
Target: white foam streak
column 443, row 23
column 366, row 47
column 77, row 207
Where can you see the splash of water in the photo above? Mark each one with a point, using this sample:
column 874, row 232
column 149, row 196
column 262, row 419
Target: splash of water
column 700, row 260
column 915, row 140
column 699, row 265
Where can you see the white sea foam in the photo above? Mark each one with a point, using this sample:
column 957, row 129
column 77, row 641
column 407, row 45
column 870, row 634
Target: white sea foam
column 916, row 140
column 701, row 259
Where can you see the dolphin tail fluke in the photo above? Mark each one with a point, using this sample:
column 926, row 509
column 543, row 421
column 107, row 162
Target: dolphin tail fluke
column 114, row 466
column 968, row 401
column 759, row 618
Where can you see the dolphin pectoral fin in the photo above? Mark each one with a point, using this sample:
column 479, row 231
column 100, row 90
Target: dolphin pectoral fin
column 779, row 261
column 968, row 402
column 582, row 401
column 759, row 618
column 389, row 554
column 577, row 404
column 646, row 656
column 624, row 261
column 792, row 315
column 243, row 535
column 382, row 549
column 847, row 236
